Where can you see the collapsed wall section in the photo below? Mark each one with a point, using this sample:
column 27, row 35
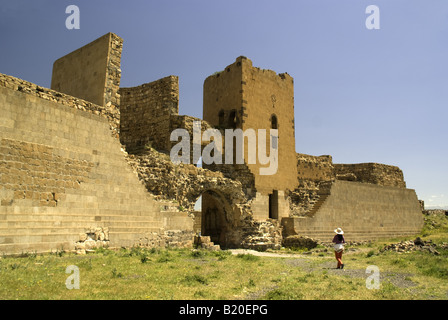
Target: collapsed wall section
column 315, row 168
column 375, row 173
column 312, row 172
column 187, row 123
column 183, row 184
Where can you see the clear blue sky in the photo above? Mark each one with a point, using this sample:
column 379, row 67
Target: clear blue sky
column 360, row 95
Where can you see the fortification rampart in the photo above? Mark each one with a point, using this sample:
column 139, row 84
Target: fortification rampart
column 317, row 171
column 315, row 168
column 364, row 211
column 63, row 175
column 109, row 112
column 375, row 173
column 146, row 112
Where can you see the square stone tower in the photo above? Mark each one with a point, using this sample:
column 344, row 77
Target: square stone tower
column 92, row 72
column 247, row 97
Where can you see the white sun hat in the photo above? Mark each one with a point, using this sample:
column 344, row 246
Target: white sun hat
column 339, row 231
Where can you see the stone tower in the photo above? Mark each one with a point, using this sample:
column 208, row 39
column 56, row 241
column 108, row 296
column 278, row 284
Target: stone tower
column 92, row 72
column 246, row 97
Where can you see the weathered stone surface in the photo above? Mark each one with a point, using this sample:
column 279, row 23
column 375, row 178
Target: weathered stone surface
column 350, row 205
column 250, row 98
column 91, row 72
column 303, row 198
column 300, row 242
column 93, row 238
column 204, row 242
column 415, row 245
column 146, row 112
column 349, row 176
column 110, row 112
column 34, row 172
column 262, row 235
column 375, row 173
column 183, row 183
column 314, row 172
column 315, row 168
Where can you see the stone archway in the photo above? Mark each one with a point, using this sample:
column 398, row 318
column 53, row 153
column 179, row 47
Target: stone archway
column 217, row 218
column 227, row 208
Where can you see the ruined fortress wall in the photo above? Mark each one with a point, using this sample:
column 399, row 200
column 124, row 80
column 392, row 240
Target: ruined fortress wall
column 311, row 172
column 92, row 72
column 376, row 173
column 146, row 113
column 322, row 168
column 187, row 123
column 364, row 211
column 315, row 168
column 62, row 173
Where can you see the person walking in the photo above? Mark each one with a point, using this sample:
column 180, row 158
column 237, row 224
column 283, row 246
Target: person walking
column 339, row 242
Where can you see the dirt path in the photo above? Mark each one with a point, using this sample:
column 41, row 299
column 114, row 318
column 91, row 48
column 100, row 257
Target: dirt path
column 265, row 254
column 308, row 264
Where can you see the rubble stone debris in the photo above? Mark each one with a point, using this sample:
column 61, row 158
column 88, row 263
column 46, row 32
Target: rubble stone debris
column 415, row 245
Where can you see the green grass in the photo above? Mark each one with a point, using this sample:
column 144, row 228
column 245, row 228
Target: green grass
column 137, row 273
column 198, row 274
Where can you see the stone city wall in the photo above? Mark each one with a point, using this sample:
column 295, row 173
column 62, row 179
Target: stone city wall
column 315, row 168
column 109, row 112
column 375, row 173
column 315, row 171
column 34, row 172
column 62, row 172
column 146, row 112
column 312, row 172
column 364, row 211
